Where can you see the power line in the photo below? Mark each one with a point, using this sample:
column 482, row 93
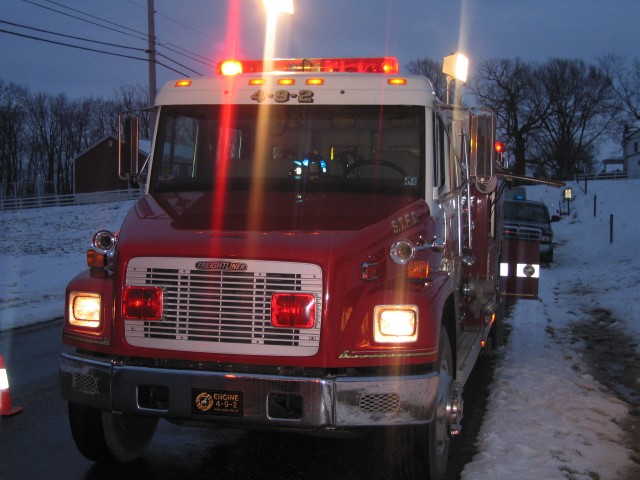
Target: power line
column 188, row 27
column 144, row 37
column 70, row 36
column 105, row 52
column 205, row 60
column 46, row 40
column 96, row 17
column 178, row 63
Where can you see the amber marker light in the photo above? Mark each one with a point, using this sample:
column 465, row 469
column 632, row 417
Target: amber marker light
column 96, row 259
column 397, row 81
column 183, row 83
column 256, row 81
column 315, row 81
column 286, row 81
column 418, row 270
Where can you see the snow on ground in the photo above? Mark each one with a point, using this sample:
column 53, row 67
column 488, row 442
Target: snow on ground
column 547, row 417
column 40, row 251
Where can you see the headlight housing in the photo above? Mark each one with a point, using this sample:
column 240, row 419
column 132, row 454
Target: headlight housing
column 85, row 310
column 395, row 323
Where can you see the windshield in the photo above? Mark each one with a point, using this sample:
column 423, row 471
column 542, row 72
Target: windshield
column 531, row 212
column 366, row 148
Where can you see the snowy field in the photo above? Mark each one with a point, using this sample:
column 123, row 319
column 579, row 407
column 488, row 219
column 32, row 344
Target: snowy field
column 547, row 417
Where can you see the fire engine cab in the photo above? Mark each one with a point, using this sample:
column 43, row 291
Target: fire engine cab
column 318, row 249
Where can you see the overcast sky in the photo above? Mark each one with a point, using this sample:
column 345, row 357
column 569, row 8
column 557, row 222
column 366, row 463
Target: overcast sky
column 196, row 33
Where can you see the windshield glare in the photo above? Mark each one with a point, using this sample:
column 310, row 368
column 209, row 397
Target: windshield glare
column 370, row 149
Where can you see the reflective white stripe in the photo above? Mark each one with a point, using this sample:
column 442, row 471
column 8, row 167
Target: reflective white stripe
column 4, row 380
column 504, row 269
column 523, row 270
column 528, row 270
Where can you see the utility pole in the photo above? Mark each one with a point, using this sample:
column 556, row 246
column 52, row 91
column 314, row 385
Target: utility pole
column 151, row 51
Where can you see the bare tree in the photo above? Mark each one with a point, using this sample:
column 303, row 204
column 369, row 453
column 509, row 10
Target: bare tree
column 12, row 118
column 104, row 119
column 625, row 81
column 509, row 88
column 584, row 106
column 135, row 97
column 41, row 134
column 433, row 71
column 59, row 129
column 45, row 133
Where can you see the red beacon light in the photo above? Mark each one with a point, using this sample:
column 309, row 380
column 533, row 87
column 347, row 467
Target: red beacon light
column 384, row 65
column 499, row 147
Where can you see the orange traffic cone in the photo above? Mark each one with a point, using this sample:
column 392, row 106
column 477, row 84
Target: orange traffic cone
column 5, row 395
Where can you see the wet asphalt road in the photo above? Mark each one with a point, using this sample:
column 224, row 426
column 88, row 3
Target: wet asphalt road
column 37, row 443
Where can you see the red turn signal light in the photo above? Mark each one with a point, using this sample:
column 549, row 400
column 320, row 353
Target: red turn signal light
column 293, row 310
column 142, row 303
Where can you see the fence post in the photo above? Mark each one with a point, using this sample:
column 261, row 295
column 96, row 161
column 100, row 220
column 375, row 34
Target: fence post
column 610, row 229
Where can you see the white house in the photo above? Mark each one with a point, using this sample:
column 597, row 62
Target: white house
column 631, row 151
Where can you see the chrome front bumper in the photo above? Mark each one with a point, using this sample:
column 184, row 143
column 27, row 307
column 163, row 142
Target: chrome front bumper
column 248, row 399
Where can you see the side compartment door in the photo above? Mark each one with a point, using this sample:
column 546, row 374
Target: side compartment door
column 519, row 269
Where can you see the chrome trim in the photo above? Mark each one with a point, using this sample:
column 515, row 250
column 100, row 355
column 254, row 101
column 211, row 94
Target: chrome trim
column 327, row 402
column 104, row 242
column 402, row 251
column 347, row 354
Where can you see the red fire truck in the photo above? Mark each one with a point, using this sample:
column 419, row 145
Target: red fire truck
column 318, row 249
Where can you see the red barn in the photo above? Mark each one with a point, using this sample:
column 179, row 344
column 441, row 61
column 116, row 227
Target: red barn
column 96, row 169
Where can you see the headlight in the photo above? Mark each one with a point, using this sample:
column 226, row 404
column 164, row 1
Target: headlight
column 85, row 309
column 395, row 323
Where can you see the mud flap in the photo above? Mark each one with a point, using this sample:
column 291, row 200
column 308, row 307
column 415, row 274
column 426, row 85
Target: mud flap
column 519, row 269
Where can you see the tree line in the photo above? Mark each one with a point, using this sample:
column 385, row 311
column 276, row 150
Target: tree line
column 553, row 115
column 41, row 134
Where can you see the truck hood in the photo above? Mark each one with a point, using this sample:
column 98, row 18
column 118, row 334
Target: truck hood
column 214, row 227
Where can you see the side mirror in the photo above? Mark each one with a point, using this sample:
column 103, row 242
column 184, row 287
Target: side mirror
column 481, row 150
column 128, row 147
column 555, row 218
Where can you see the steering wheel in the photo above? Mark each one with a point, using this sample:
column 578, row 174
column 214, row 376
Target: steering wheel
column 348, row 172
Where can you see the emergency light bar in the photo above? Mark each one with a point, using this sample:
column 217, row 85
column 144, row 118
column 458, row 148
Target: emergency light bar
column 385, row 65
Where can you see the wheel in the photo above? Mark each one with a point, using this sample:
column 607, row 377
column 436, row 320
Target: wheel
column 105, row 437
column 422, row 452
column 440, row 429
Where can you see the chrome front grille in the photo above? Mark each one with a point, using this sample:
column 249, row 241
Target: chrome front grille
column 517, row 232
column 223, row 306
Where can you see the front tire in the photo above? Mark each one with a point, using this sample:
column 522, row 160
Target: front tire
column 439, row 430
column 110, row 437
column 422, row 452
